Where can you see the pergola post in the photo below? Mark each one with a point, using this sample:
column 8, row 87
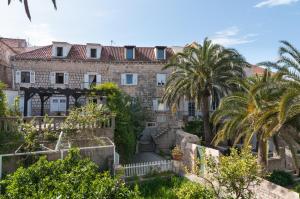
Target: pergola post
column 67, row 104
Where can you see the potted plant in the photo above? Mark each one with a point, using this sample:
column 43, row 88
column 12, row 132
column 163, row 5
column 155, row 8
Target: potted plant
column 177, row 153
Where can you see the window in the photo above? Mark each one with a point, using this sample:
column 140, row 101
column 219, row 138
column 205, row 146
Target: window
column 160, row 53
column 161, row 79
column 59, row 78
column 59, row 51
column 93, row 53
column 191, row 108
column 158, row 105
column 161, row 119
column 25, row 77
column 92, row 80
column 129, row 53
column 151, row 124
column 129, row 79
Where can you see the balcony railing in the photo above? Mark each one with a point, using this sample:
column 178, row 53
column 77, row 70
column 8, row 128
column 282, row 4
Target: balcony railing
column 10, row 124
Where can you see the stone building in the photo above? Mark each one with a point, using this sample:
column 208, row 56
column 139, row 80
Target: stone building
column 137, row 70
column 9, row 47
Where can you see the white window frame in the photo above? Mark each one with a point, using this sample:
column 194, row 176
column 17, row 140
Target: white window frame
column 95, row 54
column 156, row 53
column 87, row 76
column 19, row 77
column 134, row 79
column 133, row 53
column 53, row 77
column 161, row 79
column 56, row 51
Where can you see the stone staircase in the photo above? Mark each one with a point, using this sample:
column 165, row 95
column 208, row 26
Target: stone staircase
column 150, row 136
column 160, row 131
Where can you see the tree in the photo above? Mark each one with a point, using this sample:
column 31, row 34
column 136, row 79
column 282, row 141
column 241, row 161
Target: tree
column 72, row 177
column 233, row 176
column 288, row 66
column 27, row 7
column 243, row 114
column 130, row 118
column 3, row 102
column 203, row 72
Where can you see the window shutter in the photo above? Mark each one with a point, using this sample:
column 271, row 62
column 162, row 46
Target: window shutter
column 155, row 104
column 18, row 76
column 135, row 79
column 98, row 79
column 123, row 79
column 163, row 78
column 186, row 105
column 66, row 78
column 32, row 77
column 86, row 81
column 52, row 77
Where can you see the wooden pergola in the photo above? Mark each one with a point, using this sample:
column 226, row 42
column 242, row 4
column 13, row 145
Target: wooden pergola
column 46, row 93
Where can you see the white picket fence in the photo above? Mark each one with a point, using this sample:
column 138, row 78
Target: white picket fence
column 145, row 168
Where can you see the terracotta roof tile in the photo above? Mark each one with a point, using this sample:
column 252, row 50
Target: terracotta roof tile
column 108, row 53
column 257, row 70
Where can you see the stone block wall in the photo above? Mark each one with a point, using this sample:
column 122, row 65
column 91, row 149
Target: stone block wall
column 146, row 89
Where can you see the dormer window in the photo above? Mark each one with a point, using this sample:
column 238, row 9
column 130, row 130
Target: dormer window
column 130, row 52
column 93, row 53
column 160, row 52
column 59, row 51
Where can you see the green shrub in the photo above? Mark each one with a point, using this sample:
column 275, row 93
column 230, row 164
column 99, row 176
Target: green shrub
column 192, row 190
column 297, row 188
column 281, row 178
column 194, row 127
column 174, row 188
column 72, row 177
column 130, row 118
column 3, row 101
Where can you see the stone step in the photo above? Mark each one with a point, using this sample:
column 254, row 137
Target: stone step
column 161, row 132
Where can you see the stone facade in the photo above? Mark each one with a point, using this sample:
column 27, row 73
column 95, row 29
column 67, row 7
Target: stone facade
column 9, row 47
column 146, row 88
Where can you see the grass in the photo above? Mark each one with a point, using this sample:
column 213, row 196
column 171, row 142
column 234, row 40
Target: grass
column 164, row 188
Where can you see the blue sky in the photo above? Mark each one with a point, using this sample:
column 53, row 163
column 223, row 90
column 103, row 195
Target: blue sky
column 254, row 27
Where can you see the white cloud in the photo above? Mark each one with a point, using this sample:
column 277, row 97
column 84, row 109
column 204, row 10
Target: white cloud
column 271, row 3
column 39, row 34
column 231, row 37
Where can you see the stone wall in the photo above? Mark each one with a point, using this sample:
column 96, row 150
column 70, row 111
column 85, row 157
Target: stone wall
column 102, row 156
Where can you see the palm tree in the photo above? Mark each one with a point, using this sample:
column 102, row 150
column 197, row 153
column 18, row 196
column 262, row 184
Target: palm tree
column 251, row 111
column 202, row 72
column 288, row 65
column 27, row 7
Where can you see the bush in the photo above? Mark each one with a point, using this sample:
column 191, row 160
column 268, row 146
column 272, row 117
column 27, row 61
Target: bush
column 130, row 118
column 72, row 177
column 191, row 190
column 173, row 188
column 194, row 127
column 297, row 188
column 3, row 101
column 281, row 178
column 233, row 174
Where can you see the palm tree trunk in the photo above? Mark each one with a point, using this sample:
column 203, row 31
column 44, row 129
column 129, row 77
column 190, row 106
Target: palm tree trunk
column 262, row 154
column 206, row 123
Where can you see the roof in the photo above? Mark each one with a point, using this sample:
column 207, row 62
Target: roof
column 16, row 45
column 108, row 54
column 257, row 70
